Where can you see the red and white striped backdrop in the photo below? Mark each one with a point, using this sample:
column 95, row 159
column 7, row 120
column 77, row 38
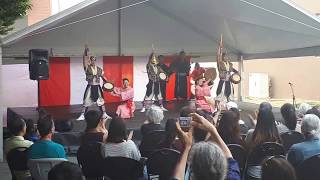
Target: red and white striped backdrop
column 67, row 79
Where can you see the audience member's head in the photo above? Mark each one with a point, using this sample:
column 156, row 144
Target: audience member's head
column 155, row 114
column 289, row 115
column 200, row 134
column 231, row 104
column 207, row 162
column 45, row 126
column 17, row 126
column 170, row 131
column 117, row 131
column 315, row 111
column 229, row 128
column 93, row 118
column 31, row 129
column 236, row 112
column 66, row 171
column 31, row 132
column 302, row 109
column 186, row 111
column 266, row 129
column 310, row 126
column 265, row 106
column 277, row 168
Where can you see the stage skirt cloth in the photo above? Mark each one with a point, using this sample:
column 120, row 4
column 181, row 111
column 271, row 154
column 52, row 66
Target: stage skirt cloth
column 224, row 91
column 93, row 95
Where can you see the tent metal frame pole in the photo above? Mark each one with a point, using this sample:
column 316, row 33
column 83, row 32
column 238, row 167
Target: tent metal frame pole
column 240, row 86
column 119, row 28
column 1, row 107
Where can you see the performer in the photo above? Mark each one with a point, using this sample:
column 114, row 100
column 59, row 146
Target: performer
column 163, row 83
column 153, row 86
column 225, row 68
column 203, row 91
column 182, row 68
column 126, row 93
column 93, row 93
column 197, row 72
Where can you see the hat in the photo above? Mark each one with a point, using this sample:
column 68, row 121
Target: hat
column 231, row 104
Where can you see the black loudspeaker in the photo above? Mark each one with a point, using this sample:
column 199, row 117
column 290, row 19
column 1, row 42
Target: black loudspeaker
column 39, row 64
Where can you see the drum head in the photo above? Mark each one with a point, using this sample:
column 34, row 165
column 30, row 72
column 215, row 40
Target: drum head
column 210, row 73
column 108, row 86
column 162, row 76
column 235, row 78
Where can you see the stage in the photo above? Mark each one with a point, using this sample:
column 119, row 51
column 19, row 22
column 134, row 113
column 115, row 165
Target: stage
column 69, row 114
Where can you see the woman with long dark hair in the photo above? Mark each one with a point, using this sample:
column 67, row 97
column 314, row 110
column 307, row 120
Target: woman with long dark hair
column 170, row 140
column 265, row 131
column 229, row 128
column 289, row 116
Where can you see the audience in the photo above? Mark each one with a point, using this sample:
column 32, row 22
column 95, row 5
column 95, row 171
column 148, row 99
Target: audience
column 229, row 128
column 277, row 168
column 96, row 130
column 31, row 133
column 170, row 140
column 204, row 153
column 265, row 130
column 45, row 147
column 243, row 127
column 314, row 110
column 118, row 144
column 210, row 160
column 17, row 128
column 311, row 146
column 66, row 171
column 265, row 106
column 289, row 116
column 154, row 117
column 302, row 109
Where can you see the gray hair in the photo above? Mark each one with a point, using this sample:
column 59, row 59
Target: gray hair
column 303, row 108
column 310, row 125
column 207, row 162
column 154, row 114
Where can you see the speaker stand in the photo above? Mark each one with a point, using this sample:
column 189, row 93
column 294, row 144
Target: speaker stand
column 39, row 109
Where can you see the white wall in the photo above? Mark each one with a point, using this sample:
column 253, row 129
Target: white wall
column 140, row 77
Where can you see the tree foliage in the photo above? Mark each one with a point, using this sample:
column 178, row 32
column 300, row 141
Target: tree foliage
column 11, row 10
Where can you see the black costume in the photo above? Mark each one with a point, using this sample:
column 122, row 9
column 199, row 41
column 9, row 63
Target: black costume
column 181, row 68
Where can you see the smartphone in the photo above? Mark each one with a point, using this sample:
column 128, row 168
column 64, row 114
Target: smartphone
column 185, row 122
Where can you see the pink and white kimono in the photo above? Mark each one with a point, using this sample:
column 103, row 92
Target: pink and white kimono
column 126, row 109
column 200, row 93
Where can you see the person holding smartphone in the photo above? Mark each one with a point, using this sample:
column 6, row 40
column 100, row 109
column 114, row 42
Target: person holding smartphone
column 212, row 154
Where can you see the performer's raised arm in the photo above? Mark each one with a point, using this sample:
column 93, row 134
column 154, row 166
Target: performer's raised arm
column 219, row 50
column 85, row 57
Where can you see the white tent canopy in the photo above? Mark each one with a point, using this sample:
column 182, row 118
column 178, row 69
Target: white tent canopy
column 251, row 28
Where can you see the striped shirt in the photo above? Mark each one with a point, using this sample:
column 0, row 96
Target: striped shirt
column 125, row 149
